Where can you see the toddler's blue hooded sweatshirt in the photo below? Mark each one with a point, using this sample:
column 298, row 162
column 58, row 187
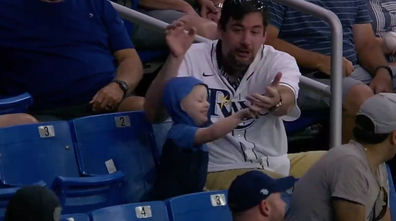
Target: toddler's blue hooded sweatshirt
column 183, row 167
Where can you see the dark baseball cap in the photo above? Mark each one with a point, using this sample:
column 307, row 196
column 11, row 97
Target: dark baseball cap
column 32, row 203
column 249, row 189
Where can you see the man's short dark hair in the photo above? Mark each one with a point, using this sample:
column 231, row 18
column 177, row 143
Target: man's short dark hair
column 238, row 9
column 363, row 132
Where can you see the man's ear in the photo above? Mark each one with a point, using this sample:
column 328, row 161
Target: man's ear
column 393, row 138
column 264, row 208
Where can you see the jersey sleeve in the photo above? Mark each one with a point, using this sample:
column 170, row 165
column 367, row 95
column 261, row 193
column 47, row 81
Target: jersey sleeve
column 183, row 135
column 117, row 35
column 348, row 180
column 287, row 65
column 185, row 69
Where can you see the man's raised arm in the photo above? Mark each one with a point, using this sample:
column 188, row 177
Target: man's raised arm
column 179, row 42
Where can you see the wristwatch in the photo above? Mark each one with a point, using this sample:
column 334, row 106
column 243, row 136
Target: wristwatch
column 218, row 5
column 278, row 105
column 385, row 67
column 123, row 85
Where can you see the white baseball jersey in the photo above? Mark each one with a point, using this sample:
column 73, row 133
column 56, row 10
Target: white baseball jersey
column 255, row 143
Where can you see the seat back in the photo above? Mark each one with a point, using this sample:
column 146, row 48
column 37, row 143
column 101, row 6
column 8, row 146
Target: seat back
column 35, row 152
column 75, row 217
column 16, row 104
column 149, row 211
column 119, row 141
column 392, row 194
column 160, row 133
column 205, row 206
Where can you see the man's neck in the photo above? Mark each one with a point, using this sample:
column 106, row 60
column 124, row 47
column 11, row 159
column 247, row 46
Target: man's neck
column 232, row 71
column 374, row 156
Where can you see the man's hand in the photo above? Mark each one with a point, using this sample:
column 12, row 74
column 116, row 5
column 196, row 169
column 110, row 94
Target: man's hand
column 215, row 17
column 207, row 7
column 107, row 98
column 269, row 99
column 177, row 39
column 325, row 65
column 382, row 82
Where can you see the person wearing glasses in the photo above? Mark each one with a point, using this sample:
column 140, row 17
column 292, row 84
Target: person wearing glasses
column 239, row 71
column 308, row 40
column 350, row 181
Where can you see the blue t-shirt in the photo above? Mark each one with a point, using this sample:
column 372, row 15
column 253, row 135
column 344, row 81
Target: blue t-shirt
column 61, row 53
column 184, row 165
column 313, row 34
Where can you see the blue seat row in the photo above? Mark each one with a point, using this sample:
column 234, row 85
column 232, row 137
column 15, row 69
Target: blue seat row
column 82, row 160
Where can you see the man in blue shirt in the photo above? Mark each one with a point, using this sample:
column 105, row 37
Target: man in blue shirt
column 74, row 57
column 308, row 39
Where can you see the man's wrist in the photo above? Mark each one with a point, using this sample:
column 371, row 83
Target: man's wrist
column 383, row 71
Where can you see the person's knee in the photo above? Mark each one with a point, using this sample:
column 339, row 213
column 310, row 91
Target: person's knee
column 355, row 98
column 204, row 27
column 133, row 103
column 8, row 120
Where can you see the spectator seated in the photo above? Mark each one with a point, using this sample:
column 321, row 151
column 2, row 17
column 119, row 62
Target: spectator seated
column 118, row 142
column 150, row 211
column 16, row 104
column 31, row 153
column 205, row 206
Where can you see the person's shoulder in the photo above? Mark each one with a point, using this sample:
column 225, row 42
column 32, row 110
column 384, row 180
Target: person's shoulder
column 346, row 154
column 280, row 56
column 201, row 49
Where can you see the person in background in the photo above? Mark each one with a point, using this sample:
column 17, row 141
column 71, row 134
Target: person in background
column 33, row 203
column 308, row 40
column 8, row 120
column 73, row 64
column 255, row 196
column 384, row 21
column 350, row 182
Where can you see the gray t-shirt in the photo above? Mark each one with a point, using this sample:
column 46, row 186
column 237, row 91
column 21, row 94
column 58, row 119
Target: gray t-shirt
column 343, row 172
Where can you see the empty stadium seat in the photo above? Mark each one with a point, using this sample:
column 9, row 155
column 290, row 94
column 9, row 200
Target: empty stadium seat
column 205, row 206
column 17, row 104
column 392, row 194
column 30, row 153
column 118, row 142
column 75, row 217
column 149, row 211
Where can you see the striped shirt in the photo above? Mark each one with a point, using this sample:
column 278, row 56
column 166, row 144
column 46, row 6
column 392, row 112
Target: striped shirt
column 383, row 13
column 313, row 34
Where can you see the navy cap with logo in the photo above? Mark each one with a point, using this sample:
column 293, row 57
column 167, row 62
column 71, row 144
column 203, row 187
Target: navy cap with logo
column 249, row 189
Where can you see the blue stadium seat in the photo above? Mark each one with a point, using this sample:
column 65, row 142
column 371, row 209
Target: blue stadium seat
column 75, row 217
column 118, row 142
column 205, row 206
column 160, row 133
column 17, row 104
column 149, row 211
column 30, row 153
column 392, row 194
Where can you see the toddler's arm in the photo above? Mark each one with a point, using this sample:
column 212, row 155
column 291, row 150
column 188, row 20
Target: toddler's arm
column 221, row 127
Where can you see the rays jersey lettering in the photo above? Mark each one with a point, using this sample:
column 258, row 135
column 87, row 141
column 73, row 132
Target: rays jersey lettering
column 223, row 105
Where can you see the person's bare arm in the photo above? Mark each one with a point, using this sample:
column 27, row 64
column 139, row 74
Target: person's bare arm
column 130, row 67
column 288, row 100
column 368, row 49
column 178, row 5
column 220, row 128
column 304, row 58
column 155, row 112
column 347, row 211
